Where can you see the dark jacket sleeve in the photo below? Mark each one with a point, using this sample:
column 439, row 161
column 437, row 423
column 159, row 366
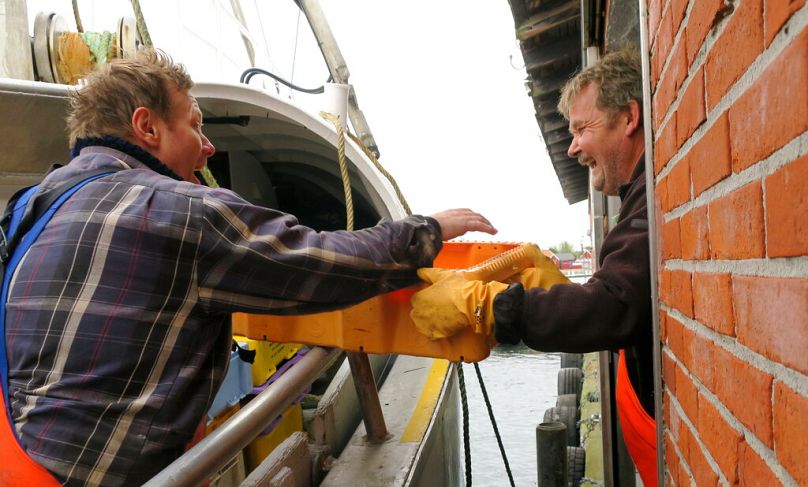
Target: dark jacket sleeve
column 610, row 311
column 260, row 260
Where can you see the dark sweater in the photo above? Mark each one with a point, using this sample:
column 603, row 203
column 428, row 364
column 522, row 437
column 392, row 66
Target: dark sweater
column 612, row 310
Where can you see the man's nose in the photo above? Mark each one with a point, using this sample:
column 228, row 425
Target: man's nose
column 573, row 150
column 207, row 147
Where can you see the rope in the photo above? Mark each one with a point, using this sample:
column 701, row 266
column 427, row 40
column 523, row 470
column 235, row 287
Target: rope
column 74, row 60
column 465, row 403
column 381, row 169
column 76, row 15
column 141, row 24
column 494, row 423
column 208, row 177
column 343, row 167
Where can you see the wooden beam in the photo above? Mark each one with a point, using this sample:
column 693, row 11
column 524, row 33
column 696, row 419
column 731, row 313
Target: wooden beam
column 548, row 19
column 544, row 55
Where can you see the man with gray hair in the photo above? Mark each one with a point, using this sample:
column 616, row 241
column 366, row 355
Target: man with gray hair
column 613, row 309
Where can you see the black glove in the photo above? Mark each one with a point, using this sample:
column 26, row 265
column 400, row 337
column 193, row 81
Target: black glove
column 508, row 314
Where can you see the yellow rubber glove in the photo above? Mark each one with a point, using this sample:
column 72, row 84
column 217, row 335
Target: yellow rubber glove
column 453, row 303
column 545, row 274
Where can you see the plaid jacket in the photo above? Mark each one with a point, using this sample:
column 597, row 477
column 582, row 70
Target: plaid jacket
column 118, row 329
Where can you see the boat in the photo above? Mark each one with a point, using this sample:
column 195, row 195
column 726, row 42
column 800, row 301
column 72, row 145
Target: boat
column 277, row 153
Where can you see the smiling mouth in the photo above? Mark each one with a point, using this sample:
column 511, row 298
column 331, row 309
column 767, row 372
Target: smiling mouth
column 589, row 162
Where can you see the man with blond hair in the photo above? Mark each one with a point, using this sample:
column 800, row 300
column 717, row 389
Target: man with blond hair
column 603, row 105
column 117, row 319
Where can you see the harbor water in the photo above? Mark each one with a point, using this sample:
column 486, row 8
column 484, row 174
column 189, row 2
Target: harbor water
column 521, row 384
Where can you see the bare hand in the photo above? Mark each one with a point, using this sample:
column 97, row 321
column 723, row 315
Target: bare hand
column 457, row 222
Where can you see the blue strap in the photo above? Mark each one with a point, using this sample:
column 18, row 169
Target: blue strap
column 16, row 256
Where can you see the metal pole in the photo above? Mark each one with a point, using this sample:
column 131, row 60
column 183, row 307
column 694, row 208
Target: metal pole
column 338, row 69
column 551, row 454
column 199, row 463
column 650, row 190
column 368, row 397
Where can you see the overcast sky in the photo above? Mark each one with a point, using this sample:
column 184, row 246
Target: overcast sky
column 441, row 83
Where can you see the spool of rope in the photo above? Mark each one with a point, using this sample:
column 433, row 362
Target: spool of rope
column 77, row 53
column 73, row 57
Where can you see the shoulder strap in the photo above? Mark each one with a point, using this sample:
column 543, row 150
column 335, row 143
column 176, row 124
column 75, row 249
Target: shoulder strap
column 23, row 220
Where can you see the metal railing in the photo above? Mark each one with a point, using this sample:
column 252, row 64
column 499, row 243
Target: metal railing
column 207, row 457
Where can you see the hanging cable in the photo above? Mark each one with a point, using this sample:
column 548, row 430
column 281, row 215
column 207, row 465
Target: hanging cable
column 248, row 74
column 494, row 423
column 294, row 52
column 461, row 381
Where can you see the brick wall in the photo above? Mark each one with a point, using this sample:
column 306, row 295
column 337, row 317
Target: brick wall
column 730, row 115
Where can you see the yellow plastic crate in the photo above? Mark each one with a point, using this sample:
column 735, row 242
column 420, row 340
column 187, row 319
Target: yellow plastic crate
column 268, row 355
column 291, row 420
column 382, row 324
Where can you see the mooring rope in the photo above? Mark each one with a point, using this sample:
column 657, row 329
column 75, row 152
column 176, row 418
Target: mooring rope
column 494, row 423
column 461, row 382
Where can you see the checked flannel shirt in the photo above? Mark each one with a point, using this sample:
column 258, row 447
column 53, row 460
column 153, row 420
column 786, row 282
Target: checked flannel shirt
column 118, row 329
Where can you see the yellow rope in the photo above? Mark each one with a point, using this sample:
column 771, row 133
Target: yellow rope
column 384, row 172
column 74, row 59
column 208, row 177
column 343, row 167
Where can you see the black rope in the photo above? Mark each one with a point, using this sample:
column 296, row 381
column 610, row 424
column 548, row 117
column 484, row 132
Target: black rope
column 248, row 74
column 465, row 403
column 494, row 423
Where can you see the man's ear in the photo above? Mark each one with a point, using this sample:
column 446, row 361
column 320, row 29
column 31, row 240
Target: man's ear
column 144, row 128
column 633, row 117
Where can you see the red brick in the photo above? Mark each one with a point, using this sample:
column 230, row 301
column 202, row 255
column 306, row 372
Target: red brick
column 665, row 147
column 777, row 13
column 684, row 478
column 654, row 13
column 679, row 184
column 695, row 234
column 672, row 460
column 671, row 245
column 663, row 327
column 669, row 372
column 703, row 16
column 736, row 224
column 662, row 195
column 710, row 159
column 735, row 49
column 703, row 473
column 701, row 361
column 720, row 438
column 664, row 39
column 712, row 302
column 669, row 84
column 771, row 315
column 790, row 426
column 675, row 330
column 774, row 109
column 753, row 470
column 691, row 112
column 687, row 395
column 746, row 392
column 678, row 292
column 787, row 210
column 687, row 345
column 678, row 8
